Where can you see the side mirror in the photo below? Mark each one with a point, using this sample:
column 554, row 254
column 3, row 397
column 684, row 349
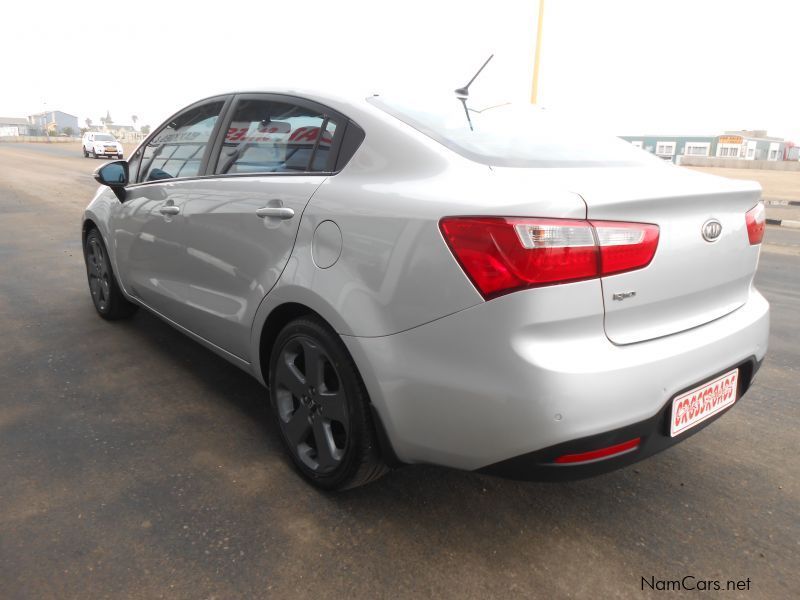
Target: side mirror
column 115, row 176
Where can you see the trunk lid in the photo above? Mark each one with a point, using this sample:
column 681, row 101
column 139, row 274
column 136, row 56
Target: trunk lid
column 690, row 280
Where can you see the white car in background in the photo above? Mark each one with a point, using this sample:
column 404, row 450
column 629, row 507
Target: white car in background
column 101, row 144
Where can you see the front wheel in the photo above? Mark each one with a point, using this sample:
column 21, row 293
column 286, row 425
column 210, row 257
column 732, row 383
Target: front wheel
column 322, row 407
column 93, row 154
column 107, row 297
column 85, row 153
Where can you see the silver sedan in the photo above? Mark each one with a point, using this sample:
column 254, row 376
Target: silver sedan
column 433, row 281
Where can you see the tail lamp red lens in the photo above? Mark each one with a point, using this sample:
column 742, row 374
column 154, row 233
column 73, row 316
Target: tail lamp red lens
column 505, row 254
column 592, row 455
column 756, row 220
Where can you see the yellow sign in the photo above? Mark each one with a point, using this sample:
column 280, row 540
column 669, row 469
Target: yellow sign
column 730, row 139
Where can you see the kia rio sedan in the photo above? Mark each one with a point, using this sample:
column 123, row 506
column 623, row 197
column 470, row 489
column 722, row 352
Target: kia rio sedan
column 433, row 281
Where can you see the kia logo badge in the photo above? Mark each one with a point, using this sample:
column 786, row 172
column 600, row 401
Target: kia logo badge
column 711, row 230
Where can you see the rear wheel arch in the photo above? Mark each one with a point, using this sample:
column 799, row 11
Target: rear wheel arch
column 277, row 320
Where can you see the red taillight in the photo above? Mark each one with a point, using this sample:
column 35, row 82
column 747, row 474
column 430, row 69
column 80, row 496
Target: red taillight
column 592, row 455
column 502, row 254
column 756, row 223
column 625, row 246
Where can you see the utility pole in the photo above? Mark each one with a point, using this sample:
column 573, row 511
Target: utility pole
column 535, row 86
column 44, row 121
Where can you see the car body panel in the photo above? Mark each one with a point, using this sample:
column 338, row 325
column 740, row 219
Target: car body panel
column 233, row 257
column 150, row 248
column 534, row 369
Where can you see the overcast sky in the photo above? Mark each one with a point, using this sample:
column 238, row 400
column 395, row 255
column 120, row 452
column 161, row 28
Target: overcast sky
column 636, row 66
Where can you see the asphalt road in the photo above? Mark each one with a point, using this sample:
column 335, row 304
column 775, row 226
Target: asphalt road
column 137, row 464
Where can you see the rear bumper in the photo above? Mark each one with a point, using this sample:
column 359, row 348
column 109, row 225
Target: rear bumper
column 652, row 435
column 503, row 385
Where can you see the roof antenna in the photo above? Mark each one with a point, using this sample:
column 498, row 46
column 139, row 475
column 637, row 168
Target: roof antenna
column 462, row 93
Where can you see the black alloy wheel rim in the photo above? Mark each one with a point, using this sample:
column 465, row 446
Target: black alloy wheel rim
column 97, row 266
column 311, row 404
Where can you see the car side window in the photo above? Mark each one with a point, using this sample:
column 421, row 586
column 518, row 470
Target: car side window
column 266, row 136
column 177, row 150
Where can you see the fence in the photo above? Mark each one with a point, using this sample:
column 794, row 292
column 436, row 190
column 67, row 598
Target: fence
column 38, row 138
column 733, row 163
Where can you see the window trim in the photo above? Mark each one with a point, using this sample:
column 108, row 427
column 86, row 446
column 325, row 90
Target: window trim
column 328, row 112
column 226, row 102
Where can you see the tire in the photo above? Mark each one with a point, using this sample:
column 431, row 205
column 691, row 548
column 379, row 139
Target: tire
column 119, row 156
column 322, row 407
column 85, row 153
column 108, row 299
column 93, row 154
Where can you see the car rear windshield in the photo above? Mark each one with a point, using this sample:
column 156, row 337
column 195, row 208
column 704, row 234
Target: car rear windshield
column 104, row 138
column 513, row 135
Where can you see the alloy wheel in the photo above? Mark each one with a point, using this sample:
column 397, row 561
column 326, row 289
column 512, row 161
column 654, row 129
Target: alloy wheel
column 99, row 282
column 311, row 404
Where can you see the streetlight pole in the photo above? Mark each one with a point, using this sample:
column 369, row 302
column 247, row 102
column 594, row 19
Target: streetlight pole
column 535, row 86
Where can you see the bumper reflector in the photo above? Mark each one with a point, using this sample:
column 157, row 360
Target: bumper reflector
column 592, row 455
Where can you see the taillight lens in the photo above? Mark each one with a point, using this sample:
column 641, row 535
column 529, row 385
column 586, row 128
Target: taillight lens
column 756, row 220
column 504, row 254
column 625, row 246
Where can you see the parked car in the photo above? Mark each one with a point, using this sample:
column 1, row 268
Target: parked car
column 98, row 145
column 435, row 282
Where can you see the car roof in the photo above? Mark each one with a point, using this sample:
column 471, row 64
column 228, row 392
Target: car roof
column 345, row 101
column 304, row 92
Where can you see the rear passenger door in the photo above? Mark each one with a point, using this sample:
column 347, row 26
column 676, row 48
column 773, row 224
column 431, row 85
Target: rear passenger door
column 271, row 155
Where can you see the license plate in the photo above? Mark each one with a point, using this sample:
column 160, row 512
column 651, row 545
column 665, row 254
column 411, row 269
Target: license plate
column 703, row 402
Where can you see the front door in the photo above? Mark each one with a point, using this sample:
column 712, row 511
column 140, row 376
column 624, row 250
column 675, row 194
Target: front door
column 149, row 227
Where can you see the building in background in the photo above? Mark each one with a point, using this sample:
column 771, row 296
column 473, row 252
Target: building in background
column 124, row 133
column 750, row 145
column 672, row 147
column 742, row 145
column 14, row 126
column 54, row 122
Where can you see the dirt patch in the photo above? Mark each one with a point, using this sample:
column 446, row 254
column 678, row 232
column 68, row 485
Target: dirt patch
column 779, row 185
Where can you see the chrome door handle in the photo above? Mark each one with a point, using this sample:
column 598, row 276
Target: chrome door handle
column 275, row 212
column 169, row 210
